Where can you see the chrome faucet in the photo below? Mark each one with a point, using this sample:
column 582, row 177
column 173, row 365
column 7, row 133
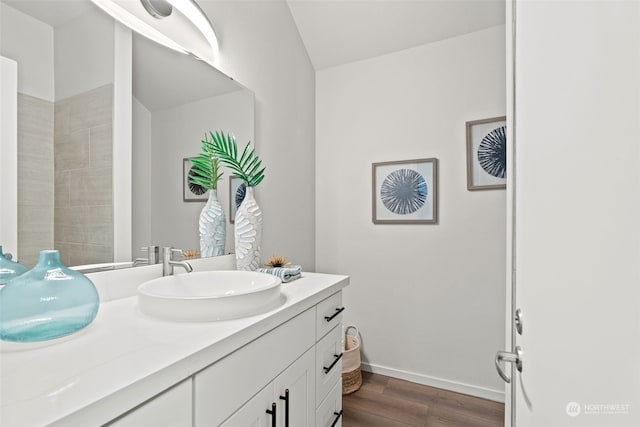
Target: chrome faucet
column 168, row 263
column 153, row 256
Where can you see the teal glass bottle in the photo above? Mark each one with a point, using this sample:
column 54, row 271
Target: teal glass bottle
column 9, row 269
column 47, row 302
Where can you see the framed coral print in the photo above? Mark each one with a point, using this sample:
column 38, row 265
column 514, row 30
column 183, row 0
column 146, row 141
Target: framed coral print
column 487, row 154
column 237, row 190
column 191, row 192
column 405, row 192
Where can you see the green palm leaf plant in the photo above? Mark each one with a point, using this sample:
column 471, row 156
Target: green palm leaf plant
column 206, row 168
column 247, row 167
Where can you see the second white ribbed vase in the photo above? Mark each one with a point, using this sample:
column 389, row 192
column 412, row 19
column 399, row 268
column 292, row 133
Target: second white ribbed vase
column 248, row 233
column 212, row 227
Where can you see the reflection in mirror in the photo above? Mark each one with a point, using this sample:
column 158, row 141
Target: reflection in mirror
column 64, row 51
column 177, row 99
column 65, row 56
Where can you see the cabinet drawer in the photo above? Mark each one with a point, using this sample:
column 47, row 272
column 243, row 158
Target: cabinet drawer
column 226, row 385
column 328, row 362
column 329, row 314
column 329, row 413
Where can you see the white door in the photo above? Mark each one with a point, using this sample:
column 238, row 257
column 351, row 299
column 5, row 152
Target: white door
column 575, row 123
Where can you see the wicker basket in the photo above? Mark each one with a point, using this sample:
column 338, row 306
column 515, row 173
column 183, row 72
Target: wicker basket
column 351, row 371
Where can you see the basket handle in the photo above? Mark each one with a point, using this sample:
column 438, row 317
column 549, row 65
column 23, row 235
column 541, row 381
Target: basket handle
column 346, row 329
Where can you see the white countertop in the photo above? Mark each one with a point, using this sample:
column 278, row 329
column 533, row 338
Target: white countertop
column 126, row 357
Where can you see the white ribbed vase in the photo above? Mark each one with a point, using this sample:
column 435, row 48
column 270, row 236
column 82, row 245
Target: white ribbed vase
column 212, row 227
column 248, row 233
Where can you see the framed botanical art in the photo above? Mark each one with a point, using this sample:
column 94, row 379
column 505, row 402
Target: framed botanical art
column 487, row 154
column 237, row 190
column 405, row 192
column 191, row 192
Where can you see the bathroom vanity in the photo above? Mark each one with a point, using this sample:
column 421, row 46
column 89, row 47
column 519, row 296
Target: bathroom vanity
column 280, row 368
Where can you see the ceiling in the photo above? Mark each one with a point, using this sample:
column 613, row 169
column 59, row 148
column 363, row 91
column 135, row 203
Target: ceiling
column 50, row 12
column 337, row 32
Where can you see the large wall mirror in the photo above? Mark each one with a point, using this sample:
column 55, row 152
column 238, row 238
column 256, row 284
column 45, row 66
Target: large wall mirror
column 66, row 109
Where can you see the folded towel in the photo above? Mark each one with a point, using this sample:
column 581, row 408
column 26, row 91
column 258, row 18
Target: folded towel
column 286, row 274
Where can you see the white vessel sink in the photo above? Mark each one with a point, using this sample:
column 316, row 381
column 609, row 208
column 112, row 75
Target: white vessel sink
column 210, row 295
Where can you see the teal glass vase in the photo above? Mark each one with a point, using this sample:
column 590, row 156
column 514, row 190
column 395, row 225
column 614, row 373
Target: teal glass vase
column 9, row 269
column 47, row 302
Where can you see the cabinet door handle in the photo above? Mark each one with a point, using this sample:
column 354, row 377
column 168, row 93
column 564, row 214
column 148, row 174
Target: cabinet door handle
column 272, row 412
column 330, row 318
column 337, row 357
column 286, row 407
column 338, row 415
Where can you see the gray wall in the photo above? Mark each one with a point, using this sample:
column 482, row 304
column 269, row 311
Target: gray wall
column 35, row 177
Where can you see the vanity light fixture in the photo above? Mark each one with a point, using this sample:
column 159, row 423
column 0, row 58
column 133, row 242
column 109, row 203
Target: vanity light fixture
column 196, row 15
column 157, row 8
column 168, row 22
column 132, row 21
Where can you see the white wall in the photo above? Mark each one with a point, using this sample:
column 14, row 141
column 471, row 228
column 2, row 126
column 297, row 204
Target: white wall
column 176, row 133
column 122, row 49
column 428, row 299
column 261, row 48
column 141, row 179
column 9, row 155
column 84, row 54
column 29, row 42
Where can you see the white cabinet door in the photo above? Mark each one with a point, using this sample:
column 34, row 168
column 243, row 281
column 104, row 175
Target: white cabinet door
column 173, row 408
column 226, row 385
column 295, row 393
column 292, row 392
column 254, row 412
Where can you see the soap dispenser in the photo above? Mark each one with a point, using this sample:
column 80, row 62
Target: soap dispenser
column 8, row 268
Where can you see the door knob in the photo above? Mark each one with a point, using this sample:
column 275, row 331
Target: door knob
column 505, row 356
column 518, row 321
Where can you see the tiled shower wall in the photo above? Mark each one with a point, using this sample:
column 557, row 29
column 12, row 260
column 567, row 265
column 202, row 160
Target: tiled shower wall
column 83, row 231
column 35, row 177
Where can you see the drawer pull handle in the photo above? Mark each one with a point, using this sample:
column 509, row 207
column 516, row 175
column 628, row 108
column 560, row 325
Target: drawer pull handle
column 338, row 415
column 286, row 407
column 338, row 357
column 330, row 318
column 272, row 412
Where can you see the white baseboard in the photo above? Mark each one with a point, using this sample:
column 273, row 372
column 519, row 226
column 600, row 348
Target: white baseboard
column 458, row 387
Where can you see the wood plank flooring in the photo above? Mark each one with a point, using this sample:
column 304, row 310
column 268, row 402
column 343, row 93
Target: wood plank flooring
column 389, row 402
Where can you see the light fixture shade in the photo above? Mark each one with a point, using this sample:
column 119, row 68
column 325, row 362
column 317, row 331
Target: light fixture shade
column 196, row 15
column 186, row 30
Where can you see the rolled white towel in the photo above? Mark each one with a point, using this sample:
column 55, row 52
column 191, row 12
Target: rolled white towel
column 286, row 274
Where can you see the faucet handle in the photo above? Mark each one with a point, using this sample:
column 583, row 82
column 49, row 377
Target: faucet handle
column 176, row 252
column 168, row 253
column 153, row 253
